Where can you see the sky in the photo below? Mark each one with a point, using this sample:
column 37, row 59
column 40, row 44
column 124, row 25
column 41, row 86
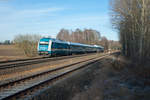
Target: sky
column 47, row 17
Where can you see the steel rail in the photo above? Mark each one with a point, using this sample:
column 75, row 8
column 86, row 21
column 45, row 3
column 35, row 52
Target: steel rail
column 36, row 61
column 16, row 87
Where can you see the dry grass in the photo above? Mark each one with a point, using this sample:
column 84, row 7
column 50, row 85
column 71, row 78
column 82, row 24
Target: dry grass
column 117, row 81
column 119, row 62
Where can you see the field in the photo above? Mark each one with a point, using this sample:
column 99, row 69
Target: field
column 10, row 52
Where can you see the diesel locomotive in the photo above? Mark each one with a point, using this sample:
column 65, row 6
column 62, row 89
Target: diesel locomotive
column 53, row 47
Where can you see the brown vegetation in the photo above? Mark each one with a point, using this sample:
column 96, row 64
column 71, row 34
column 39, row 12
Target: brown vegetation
column 28, row 43
column 116, row 81
column 131, row 19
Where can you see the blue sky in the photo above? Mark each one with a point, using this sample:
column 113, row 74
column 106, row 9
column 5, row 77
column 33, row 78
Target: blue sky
column 47, row 17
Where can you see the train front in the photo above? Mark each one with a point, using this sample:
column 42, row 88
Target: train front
column 44, row 46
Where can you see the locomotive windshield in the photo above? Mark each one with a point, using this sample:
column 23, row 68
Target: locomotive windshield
column 43, row 43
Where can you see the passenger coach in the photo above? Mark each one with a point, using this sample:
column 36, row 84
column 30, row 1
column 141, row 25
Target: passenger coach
column 52, row 47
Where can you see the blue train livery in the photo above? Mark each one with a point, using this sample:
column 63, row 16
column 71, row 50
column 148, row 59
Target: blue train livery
column 53, row 47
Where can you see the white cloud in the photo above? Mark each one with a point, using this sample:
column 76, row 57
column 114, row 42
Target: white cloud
column 9, row 13
column 33, row 12
column 45, row 10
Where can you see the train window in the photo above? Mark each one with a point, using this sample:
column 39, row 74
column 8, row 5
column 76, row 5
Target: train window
column 59, row 45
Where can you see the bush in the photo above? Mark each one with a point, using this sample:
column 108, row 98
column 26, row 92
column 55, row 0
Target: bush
column 28, row 43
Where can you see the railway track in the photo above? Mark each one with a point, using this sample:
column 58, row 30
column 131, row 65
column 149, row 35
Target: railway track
column 20, row 63
column 17, row 60
column 26, row 86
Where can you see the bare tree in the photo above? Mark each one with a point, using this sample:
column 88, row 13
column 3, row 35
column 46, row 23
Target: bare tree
column 63, row 35
column 131, row 19
column 87, row 36
column 91, row 36
column 105, row 43
column 28, row 43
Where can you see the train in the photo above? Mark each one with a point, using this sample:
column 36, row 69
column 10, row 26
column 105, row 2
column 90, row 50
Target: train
column 55, row 47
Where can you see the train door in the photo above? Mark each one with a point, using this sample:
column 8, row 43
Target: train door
column 68, row 48
column 50, row 47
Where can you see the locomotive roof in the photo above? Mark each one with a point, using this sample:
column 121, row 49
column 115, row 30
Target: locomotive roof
column 80, row 44
column 71, row 43
column 54, row 40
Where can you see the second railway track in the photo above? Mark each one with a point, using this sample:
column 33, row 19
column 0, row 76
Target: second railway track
column 14, row 88
column 20, row 63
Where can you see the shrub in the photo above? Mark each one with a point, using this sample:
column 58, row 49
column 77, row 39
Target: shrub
column 28, row 43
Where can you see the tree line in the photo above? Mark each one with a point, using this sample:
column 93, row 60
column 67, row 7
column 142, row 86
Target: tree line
column 28, row 42
column 86, row 36
column 132, row 20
